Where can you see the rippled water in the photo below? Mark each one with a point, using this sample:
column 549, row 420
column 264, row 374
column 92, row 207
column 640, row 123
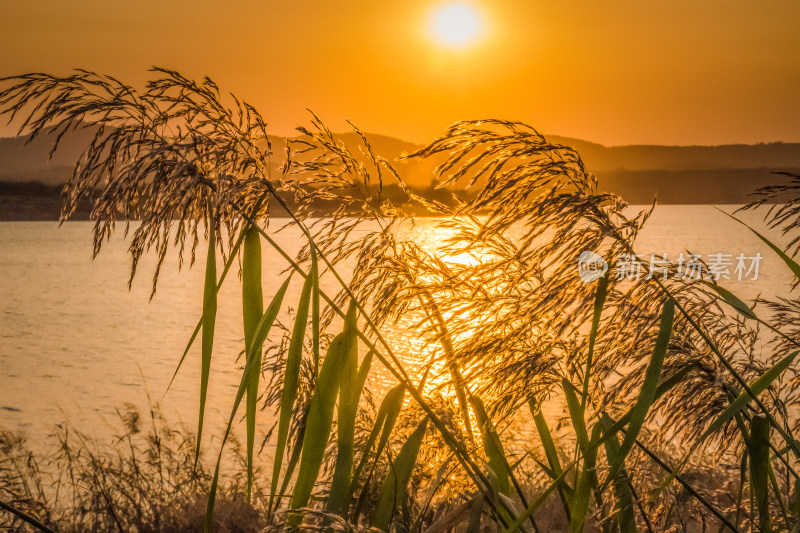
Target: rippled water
column 76, row 343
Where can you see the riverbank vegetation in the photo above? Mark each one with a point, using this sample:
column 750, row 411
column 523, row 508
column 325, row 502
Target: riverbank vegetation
column 682, row 409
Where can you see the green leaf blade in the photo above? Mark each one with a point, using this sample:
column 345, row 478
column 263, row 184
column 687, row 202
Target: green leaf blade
column 252, row 309
column 350, row 384
column 262, row 330
column 394, row 489
column 320, row 419
column 291, row 379
column 209, row 322
column 649, row 389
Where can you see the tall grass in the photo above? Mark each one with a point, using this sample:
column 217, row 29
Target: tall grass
column 680, row 397
column 143, row 479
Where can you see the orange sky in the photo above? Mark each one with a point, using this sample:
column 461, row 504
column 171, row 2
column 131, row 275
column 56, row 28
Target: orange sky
column 610, row 71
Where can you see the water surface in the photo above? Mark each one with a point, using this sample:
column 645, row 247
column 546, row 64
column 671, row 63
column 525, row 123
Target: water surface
column 76, row 343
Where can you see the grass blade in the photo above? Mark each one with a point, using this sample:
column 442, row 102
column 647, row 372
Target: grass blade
column 587, row 479
column 551, row 454
column 576, row 415
column 252, row 309
column 262, row 330
column 733, row 410
column 294, row 459
column 393, row 492
column 559, row 481
column 793, row 266
column 384, row 424
column 351, row 382
column 390, row 360
column 758, row 448
column 624, row 507
column 741, row 401
column 315, row 295
column 474, row 524
column 385, row 420
column 209, row 320
column 320, row 416
column 291, row 378
column 517, row 524
column 734, row 301
column 492, row 447
column 199, row 325
column 394, row 403
column 599, row 302
column 228, row 263
column 649, row 389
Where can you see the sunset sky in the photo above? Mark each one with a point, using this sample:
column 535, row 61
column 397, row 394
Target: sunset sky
column 613, row 71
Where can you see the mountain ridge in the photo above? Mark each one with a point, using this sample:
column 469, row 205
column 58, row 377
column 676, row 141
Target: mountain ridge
column 21, row 162
column 639, row 173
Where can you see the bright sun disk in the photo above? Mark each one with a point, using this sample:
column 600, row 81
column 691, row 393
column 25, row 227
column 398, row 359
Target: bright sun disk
column 456, row 24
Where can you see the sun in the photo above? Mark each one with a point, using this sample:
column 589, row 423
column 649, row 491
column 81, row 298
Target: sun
column 456, row 24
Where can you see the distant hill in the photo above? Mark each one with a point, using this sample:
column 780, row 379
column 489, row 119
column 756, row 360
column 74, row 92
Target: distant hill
column 31, row 162
column 599, row 158
column 674, row 174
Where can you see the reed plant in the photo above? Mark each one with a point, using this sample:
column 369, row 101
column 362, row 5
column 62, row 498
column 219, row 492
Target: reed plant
column 142, row 479
column 680, row 398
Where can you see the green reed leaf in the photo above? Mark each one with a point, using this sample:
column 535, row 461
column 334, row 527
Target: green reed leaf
column 793, row 266
column 385, row 420
column 776, row 490
column 734, row 301
column 315, row 297
column 393, row 492
column 492, row 447
column 587, row 479
column 351, row 383
column 551, row 454
column 390, row 360
column 543, row 495
column 349, row 492
column 474, row 524
column 576, row 414
column 649, row 389
column 733, row 410
column 291, row 378
column 320, row 416
column 624, row 506
column 252, row 309
column 294, row 459
column 262, row 330
column 199, row 325
column 599, row 302
column 559, row 481
column 209, row 320
column 498, row 463
column 758, row 448
column 741, row 401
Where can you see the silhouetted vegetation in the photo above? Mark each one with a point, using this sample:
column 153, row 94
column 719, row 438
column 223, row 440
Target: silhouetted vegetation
column 680, row 398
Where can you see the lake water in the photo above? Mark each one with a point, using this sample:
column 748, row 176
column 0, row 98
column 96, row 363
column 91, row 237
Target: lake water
column 76, row 344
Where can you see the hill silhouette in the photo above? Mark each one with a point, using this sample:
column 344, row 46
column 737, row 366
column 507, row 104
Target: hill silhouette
column 638, row 173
